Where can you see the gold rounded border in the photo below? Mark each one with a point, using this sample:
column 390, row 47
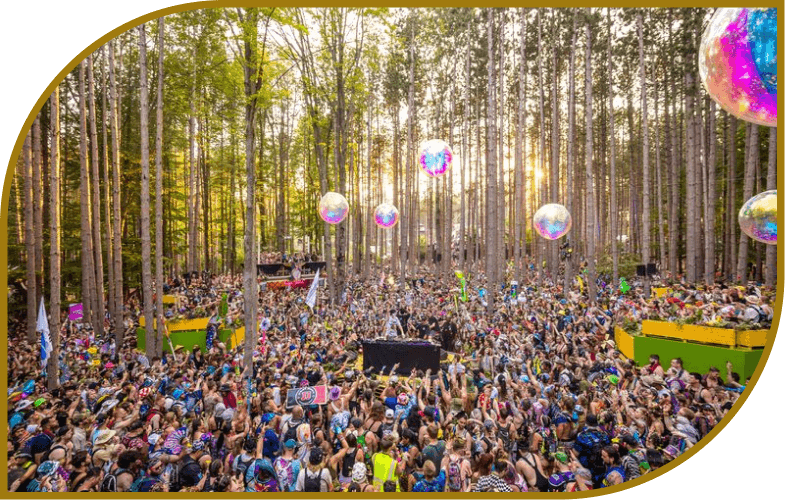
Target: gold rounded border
column 226, row 3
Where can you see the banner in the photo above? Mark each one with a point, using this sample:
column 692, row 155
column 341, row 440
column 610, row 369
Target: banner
column 305, row 396
column 75, row 312
column 310, row 299
column 42, row 325
column 462, row 278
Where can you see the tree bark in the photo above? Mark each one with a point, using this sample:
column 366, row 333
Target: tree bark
column 612, row 137
column 749, row 185
column 159, row 174
column 711, row 207
column 52, row 374
column 590, row 223
column 108, row 236
column 88, row 266
column 147, row 285
column 119, row 328
column 646, row 243
column 98, row 251
column 771, row 183
column 32, row 291
column 491, row 268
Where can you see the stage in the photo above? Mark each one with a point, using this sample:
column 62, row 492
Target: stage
column 409, row 354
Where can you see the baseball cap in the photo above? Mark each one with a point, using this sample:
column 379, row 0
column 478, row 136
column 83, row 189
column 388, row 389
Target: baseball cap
column 389, row 413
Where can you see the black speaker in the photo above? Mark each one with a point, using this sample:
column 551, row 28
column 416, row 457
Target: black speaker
column 651, row 269
column 641, row 271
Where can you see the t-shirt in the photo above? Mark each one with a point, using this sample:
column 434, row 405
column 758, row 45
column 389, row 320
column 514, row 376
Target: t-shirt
column 435, row 484
column 391, row 329
column 435, row 453
column 492, row 483
column 324, row 482
column 190, row 473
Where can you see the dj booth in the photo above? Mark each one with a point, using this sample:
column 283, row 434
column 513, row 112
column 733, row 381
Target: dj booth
column 409, row 353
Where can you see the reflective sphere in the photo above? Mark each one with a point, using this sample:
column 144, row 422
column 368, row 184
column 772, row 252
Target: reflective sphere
column 738, row 63
column 435, row 158
column 758, row 217
column 386, row 215
column 333, row 208
column 552, row 221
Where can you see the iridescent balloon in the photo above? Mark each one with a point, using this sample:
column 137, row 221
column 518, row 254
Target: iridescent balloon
column 738, row 63
column 552, row 221
column 435, row 158
column 333, row 208
column 758, row 217
column 386, row 215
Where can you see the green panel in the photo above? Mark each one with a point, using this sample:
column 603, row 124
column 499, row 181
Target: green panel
column 187, row 339
column 697, row 357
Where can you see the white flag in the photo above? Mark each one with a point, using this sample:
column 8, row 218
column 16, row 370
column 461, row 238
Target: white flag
column 310, row 299
column 42, row 325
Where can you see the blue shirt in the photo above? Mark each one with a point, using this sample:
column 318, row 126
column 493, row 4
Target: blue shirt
column 434, row 485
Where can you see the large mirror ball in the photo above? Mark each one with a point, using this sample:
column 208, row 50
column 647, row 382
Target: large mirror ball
column 737, row 61
column 333, row 208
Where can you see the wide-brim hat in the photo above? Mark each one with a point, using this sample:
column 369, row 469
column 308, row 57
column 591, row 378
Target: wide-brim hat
column 104, row 437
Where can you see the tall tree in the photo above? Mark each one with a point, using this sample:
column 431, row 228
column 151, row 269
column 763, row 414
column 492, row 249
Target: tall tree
column 646, row 243
column 88, row 266
column 95, row 173
column 109, row 237
column 54, row 237
column 520, row 163
column 750, row 160
column 771, row 183
column 32, row 292
column 711, row 198
column 117, row 253
column 38, row 207
column 613, row 181
column 147, row 285
column 159, row 176
column 492, row 207
column 590, row 211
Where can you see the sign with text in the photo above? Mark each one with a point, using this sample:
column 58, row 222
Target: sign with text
column 305, row 396
column 75, row 312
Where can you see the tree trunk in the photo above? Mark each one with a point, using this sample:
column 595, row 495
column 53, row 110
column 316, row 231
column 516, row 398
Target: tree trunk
column 32, row 292
column 491, row 202
column 540, row 253
column 749, row 185
column 52, row 374
column 38, row 227
column 646, row 243
column 614, row 201
column 711, row 207
column 590, row 223
column 99, row 262
column 159, row 174
column 88, row 267
column 771, row 183
column 119, row 328
column 553, row 246
column 108, row 237
column 571, row 150
column 732, row 207
column 147, row 285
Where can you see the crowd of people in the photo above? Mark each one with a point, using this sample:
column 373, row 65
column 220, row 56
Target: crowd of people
column 532, row 396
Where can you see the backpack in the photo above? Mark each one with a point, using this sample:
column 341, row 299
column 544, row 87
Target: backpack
column 454, row 474
column 548, row 445
column 504, row 434
column 242, row 466
column 589, row 445
column 312, row 484
column 109, row 484
column 291, row 432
